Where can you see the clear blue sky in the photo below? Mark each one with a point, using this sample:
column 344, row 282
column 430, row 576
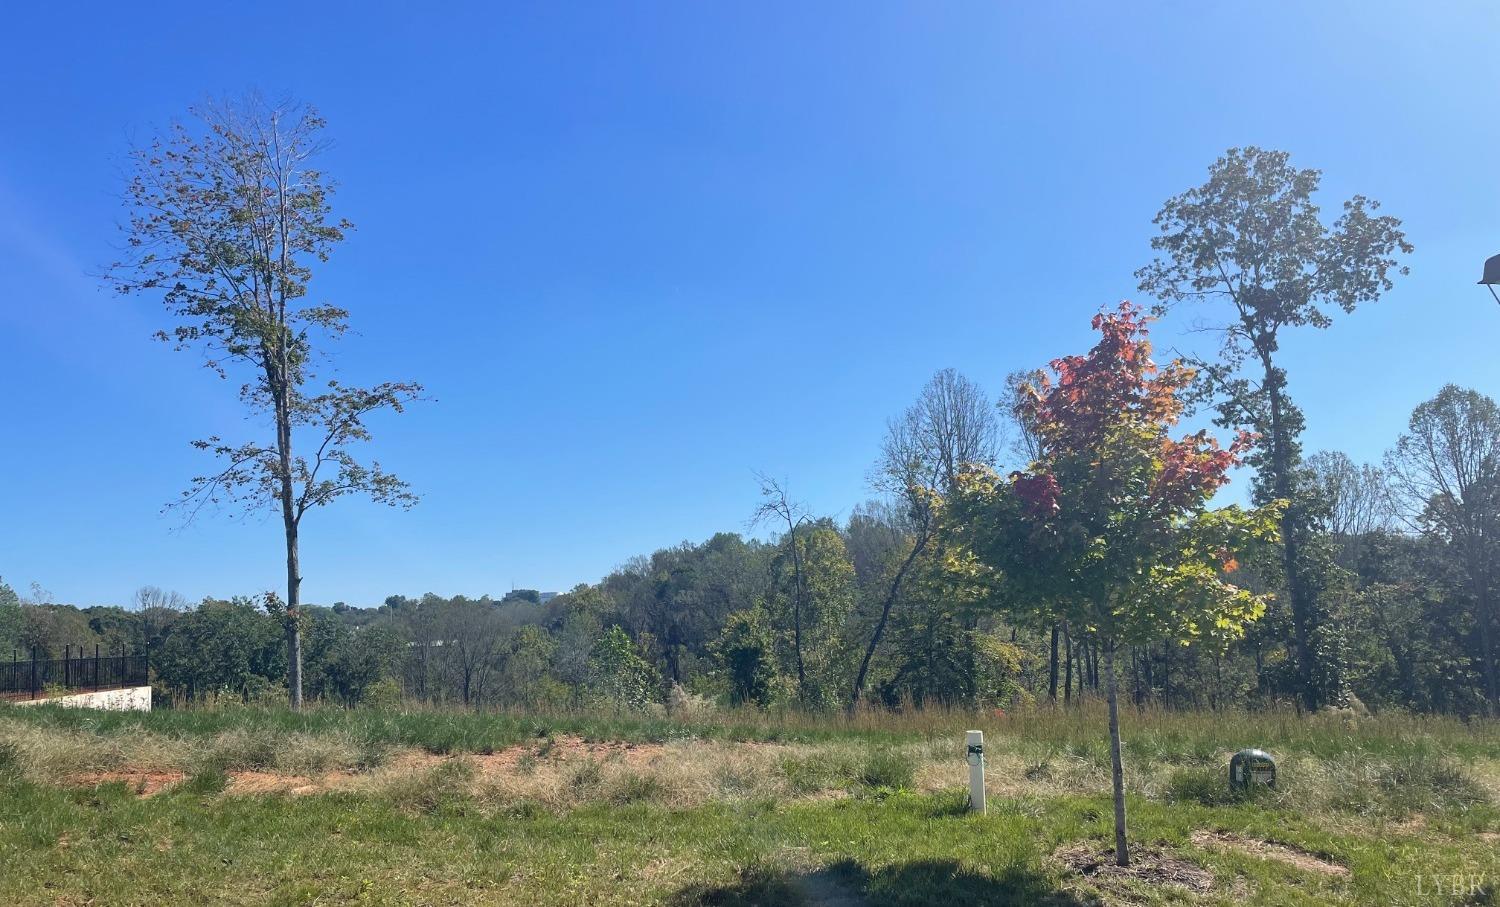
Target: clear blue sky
column 638, row 250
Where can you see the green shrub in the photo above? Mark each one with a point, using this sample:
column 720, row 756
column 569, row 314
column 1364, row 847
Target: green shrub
column 382, row 694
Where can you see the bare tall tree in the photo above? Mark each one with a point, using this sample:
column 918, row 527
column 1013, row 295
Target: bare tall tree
column 158, row 609
column 776, row 506
column 228, row 217
column 1358, row 494
column 155, row 598
column 1358, row 498
column 1025, row 444
column 952, row 424
column 1447, row 469
column 473, row 630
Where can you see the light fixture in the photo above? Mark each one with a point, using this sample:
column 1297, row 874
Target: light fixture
column 1491, row 275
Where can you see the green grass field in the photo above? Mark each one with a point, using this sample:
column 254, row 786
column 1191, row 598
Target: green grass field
column 262, row 806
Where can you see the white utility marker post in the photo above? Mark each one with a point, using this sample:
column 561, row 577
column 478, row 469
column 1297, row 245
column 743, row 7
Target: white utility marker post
column 976, row 771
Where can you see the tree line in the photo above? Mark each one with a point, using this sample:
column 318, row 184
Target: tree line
column 1374, row 586
column 883, row 606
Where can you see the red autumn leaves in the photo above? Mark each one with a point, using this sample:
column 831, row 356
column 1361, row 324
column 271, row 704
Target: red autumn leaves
column 1038, row 494
column 1117, row 389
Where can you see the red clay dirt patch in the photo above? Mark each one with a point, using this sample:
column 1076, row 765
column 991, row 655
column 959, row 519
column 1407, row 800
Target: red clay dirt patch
column 1147, row 864
column 1269, row 850
column 569, row 748
column 143, row 782
column 513, row 760
column 509, row 761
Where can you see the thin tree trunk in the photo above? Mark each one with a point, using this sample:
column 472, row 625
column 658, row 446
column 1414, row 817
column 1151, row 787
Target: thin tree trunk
column 797, row 614
column 293, row 624
column 1213, row 700
column 1486, row 644
column 1138, row 694
column 1116, row 764
column 293, row 566
column 1298, row 594
column 885, row 616
column 970, row 625
column 1068, row 667
column 282, row 390
column 1052, row 667
column 1166, row 675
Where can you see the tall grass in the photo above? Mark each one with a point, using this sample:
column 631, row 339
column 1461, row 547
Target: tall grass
column 1150, row 733
column 399, row 798
column 1379, row 763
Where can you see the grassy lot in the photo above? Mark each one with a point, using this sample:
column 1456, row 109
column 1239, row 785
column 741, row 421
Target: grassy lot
column 257, row 806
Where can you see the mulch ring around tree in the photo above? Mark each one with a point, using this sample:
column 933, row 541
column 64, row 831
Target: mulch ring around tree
column 1151, row 865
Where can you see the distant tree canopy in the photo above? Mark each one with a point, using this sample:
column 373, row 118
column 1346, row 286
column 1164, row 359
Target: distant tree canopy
column 1413, row 585
column 1034, row 543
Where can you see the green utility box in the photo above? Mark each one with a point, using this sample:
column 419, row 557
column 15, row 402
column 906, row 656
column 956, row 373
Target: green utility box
column 1249, row 767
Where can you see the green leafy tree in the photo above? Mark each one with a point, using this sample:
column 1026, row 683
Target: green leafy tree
column 679, row 597
column 345, row 662
column 228, row 219
column 11, row 619
column 618, row 675
column 525, row 659
column 745, row 650
column 222, row 647
column 1446, row 468
column 810, row 602
column 1110, row 527
column 939, row 652
column 1253, row 237
column 361, row 661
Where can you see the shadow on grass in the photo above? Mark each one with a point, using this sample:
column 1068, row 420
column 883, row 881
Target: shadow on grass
column 847, row 884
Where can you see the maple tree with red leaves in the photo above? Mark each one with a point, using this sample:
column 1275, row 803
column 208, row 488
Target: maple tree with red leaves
column 1110, row 528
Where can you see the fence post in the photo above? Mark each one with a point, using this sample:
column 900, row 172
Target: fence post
column 96, row 667
column 974, row 744
column 33, row 672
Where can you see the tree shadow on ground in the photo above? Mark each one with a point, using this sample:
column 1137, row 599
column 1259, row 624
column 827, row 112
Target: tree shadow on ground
column 848, row 884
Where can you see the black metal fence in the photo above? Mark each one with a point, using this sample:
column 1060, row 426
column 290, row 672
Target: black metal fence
column 78, row 671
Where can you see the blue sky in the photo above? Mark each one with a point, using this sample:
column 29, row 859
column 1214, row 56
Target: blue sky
column 637, row 251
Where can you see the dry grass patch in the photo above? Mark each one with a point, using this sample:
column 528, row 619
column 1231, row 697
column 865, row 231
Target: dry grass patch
column 559, row 773
column 143, row 782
